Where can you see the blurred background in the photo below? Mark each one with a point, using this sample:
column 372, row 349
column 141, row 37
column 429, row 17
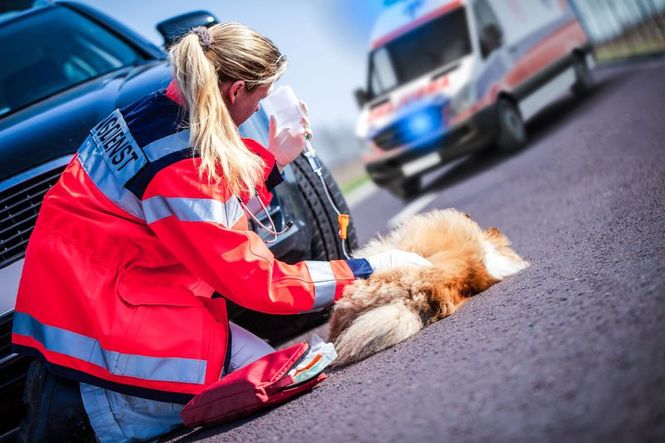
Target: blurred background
column 623, row 28
column 326, row 42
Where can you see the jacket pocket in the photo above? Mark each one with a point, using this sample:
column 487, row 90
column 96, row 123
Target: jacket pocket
column 139, row 289
column 168, row 335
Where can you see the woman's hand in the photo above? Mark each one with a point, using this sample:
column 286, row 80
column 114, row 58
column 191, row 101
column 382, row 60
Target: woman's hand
column 394, row 258
column 286, row 145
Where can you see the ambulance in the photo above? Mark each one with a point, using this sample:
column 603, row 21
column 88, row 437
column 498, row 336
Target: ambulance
column 450, row 77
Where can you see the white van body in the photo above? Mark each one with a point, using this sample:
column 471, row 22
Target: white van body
column 448, row 77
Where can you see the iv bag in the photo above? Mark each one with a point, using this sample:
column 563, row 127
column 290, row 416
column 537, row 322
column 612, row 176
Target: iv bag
column 284, row 106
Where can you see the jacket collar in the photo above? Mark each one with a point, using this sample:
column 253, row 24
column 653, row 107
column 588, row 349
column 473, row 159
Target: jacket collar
column 173, row 93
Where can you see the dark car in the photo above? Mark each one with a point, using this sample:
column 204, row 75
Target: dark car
column 65, row 66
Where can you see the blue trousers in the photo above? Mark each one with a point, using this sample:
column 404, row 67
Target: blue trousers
column 119, row 417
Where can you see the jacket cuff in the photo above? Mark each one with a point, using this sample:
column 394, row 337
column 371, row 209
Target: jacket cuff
column 360, row 267
column 274, row 178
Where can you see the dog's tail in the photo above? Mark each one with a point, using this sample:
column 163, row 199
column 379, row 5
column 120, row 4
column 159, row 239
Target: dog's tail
column 376, row 330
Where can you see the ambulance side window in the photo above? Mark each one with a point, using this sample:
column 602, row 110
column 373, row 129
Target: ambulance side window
column 382, row 73
column 489, row 28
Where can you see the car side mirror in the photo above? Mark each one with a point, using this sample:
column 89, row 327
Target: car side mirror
column 174, row 28
column 361, row 97
column 491, row 38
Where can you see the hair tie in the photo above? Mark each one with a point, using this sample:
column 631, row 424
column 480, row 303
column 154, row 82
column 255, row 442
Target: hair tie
column 205, row 37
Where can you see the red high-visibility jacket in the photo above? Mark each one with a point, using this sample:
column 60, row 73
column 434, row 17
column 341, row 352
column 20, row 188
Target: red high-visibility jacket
column 130, row 246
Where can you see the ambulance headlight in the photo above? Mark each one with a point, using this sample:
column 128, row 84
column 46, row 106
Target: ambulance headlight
column 463, row 100
column 421, row 123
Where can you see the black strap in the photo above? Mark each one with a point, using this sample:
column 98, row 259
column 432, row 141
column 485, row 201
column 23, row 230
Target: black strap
column 274, row 178
column 139, row 182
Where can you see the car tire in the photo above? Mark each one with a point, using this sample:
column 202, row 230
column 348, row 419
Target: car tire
column 405, row 189
column 325, row 245
column 583, row 77
column 511, row 128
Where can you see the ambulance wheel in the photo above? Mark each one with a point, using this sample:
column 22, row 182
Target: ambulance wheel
column 405, row 189
column 583, row 78
column 511, row 128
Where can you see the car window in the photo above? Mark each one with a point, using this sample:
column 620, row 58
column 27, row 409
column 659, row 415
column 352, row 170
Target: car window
column 52, row 50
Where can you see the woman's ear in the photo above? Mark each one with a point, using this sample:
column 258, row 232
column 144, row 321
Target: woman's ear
column 231, row 90
column 236, row 88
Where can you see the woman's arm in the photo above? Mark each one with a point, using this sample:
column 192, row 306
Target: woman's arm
column 204, row 228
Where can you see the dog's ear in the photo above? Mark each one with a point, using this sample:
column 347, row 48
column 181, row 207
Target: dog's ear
column 493, row 232
column 497, row 238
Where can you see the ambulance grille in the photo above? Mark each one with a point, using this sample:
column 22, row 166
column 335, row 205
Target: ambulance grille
column 19, row 206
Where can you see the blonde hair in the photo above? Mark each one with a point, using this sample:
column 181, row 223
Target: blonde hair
column 201, row 60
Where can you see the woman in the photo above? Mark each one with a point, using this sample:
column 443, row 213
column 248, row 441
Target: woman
column 145, row 228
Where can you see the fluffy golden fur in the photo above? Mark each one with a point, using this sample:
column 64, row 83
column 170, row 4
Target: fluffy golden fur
column 391, row 306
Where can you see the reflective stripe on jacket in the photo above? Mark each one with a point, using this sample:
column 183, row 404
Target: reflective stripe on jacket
column 130, row 247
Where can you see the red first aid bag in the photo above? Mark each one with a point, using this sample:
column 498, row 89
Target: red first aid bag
column 251, row 388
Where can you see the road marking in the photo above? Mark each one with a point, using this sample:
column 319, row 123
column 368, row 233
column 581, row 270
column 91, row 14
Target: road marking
column 360, row 193
column 421, row 164
column 412, row 208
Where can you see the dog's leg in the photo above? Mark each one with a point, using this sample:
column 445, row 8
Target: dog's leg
column 363, row 295
column 439, row 293
column 375, row 330
column 341, row 319
column 348, row 308
column 445, row 302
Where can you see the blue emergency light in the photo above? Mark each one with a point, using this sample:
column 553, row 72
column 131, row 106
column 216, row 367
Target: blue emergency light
column 421, row 125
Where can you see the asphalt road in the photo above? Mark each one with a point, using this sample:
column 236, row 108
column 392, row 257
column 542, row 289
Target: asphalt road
column 573, row 348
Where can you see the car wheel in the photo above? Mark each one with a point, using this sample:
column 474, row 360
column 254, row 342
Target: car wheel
column 512, row 130
column 405, row 189
column 583, row 78
column 325, row 245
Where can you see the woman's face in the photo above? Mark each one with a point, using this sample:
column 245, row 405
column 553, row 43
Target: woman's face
column 240, row 102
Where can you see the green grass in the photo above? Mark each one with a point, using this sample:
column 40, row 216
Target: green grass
column 353, row 183
column 623, row 49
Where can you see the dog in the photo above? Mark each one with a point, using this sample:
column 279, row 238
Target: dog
column 390, row 306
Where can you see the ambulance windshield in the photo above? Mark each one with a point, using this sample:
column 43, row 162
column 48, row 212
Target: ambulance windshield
column 432, row 45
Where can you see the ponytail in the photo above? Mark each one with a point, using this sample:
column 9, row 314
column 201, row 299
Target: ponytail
column 232, row 52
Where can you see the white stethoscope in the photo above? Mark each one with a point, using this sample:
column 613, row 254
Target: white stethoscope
column 314, row 163
column 272, row 229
